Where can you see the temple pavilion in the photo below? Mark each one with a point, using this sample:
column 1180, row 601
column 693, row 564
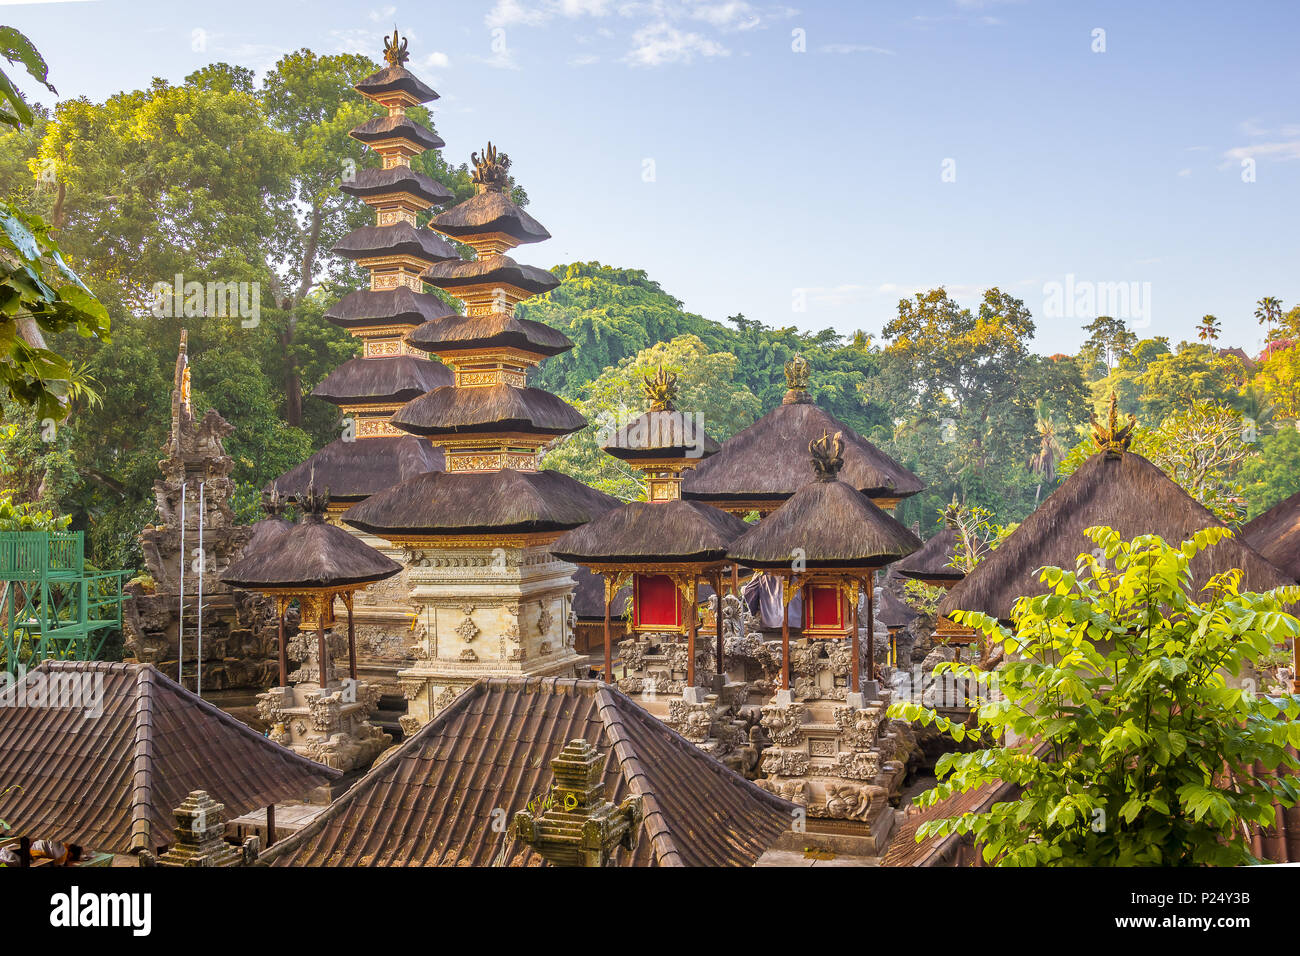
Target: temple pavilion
column 832, row 751
column 316, row 565
column 662, row 546
column 762, row 466
column 491, row 599
column 370, row 454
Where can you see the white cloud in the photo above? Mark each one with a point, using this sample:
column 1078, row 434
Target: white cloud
column 662, row 43
column 436, row 61
column 1282, row 151
column 383, row 14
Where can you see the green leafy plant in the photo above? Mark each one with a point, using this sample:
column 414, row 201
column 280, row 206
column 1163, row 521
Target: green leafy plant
column 1121, row 730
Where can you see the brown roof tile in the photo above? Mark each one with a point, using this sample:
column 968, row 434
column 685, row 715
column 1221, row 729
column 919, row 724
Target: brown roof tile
column 435, row 800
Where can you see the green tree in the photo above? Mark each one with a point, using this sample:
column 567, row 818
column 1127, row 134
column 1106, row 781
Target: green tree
column 1273, row 474
column 1126, row 740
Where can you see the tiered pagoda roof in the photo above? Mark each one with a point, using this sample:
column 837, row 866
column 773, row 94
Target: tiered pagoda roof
column 490, row 426
column 763, row 465
column 368, row 389
column 663, row 443
column 933, row 563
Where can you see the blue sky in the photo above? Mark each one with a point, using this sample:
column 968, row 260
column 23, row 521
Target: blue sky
column 967, row 143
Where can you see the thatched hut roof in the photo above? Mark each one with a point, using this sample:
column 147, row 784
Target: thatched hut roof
column 933, row 561
column 663, row 434
column 353, row 470
column 504, row 502
column 589, row 597
column 312, row 554
column 488, row 408
column 1276, row 535
column 652, row 532
column 826, row 523
column 1127, row 493
column 499, row 269
column 111, row 783
column 395, row 78
column 429, row 803
column 494, row 330
column 400, row 306
column 489, row 212
column 401, row 238
column 767, row 460
column 373, row 181
column 392, row 378
column 397, row 127
column 270, row 528
column 892, row 611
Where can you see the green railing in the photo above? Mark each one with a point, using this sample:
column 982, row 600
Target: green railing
column 51, row 605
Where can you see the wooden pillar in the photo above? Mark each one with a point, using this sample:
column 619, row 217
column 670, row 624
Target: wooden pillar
column 855, row 651
column 785, row 637
column 270, row 824
column 735, row 583
column 322, row 652
column 609, row 653
column 693, row 611
column 717, row 592
column 871, row 625
column 283, row 606
column 352, row 641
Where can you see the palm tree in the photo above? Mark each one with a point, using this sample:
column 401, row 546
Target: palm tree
column 1050, row 450
column 1208, row 330
column 1268, row 310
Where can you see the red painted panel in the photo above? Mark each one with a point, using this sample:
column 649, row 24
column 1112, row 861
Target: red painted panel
column 823, row 608
column 658, row 602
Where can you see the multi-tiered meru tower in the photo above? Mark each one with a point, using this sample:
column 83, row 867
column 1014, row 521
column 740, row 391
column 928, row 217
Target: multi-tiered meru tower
column 371, row 455
column 492, row 599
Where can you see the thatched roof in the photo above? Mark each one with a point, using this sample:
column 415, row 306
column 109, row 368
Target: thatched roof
column 498, row 269
column 507, row 501
column 400, row 306
column 494, row 330
column 643, row 531
column 353, row 470
column 1276, row 535
column 1128, row 494
column 393, row 79
column 768, row 461
column 489, row 212
column 373, row 181
column 589, row 597
column 397, row 127
column 401, row 238
column 430, row 802
column 392, row 378
column 892, row 611
column 488, row 408
column 111, row 783
column 662, row 434
column 313, row 554
column 832, row 524
column 931, row 563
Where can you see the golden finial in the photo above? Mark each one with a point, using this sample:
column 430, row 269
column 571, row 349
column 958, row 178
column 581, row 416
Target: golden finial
column 1112, row 438
column 395, row 50
column 796, row 381
column 827, row 455
column 951, row 513
column 273, row 503
column 490, row 170
column 661, row 389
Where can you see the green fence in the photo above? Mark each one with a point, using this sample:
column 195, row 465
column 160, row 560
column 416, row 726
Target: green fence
column 51, row 606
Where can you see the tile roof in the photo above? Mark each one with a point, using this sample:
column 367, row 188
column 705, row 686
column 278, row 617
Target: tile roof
column 111, row 782
column 904, row 850
column 446, row 797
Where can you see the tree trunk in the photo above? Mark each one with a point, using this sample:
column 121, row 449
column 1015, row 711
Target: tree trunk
column 307, row 269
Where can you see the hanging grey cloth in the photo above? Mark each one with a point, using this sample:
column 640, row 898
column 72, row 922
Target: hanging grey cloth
column 762, row 594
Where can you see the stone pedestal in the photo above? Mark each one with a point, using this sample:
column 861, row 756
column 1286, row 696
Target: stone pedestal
column 330, row 727
column 485, row 612
column 200, row 835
